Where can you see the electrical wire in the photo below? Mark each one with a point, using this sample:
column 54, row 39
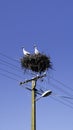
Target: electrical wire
column 60, row 89
column 4, row 70
column 7, row 65
column 3, row 61
column 2, row 74
column 66, row 89
column 12, row 66
column 65, row 98
column 69, row 88
column 62, row 102
column 68, row 99
column 10, row 58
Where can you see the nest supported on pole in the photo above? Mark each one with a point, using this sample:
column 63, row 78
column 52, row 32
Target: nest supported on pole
column 36, row 63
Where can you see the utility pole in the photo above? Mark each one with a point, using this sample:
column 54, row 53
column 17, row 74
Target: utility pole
column 33, row 110
column 33, row 116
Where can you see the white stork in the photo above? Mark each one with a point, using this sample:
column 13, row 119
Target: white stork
column 26, row 53
column 36, row 50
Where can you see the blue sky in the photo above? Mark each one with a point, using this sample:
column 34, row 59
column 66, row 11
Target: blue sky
column 49, row 24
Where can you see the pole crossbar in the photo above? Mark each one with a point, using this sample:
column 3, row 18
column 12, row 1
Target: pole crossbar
column 34, row 78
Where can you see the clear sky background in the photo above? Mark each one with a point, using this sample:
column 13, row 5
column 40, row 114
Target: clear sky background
column 49, row 24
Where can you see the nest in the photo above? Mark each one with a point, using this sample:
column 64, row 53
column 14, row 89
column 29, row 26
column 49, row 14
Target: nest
column 37, row 63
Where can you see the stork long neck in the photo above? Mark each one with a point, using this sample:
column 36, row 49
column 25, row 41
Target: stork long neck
column 35, row 48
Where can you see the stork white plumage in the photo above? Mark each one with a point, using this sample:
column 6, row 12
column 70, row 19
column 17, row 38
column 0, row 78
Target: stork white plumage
column 36, row 50
column 26, row 53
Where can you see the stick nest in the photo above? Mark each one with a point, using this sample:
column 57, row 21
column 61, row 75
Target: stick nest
column 37, row 63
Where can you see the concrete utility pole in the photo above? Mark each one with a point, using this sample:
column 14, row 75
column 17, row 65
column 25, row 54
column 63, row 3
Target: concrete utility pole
column 33, row 119
column 33, row 90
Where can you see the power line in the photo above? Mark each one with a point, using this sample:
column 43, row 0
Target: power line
column 12, row 66
column 65, row 98
column 63, row 90
column 5, row 62
column 10, row 58
column 69, row 99
column 62, row 102
column 61, row 83
column 59, row 88
column 64, row 87
column 10, row 72
column 2, row 74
